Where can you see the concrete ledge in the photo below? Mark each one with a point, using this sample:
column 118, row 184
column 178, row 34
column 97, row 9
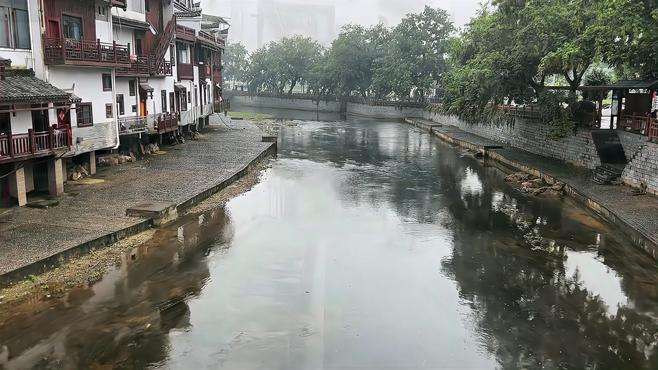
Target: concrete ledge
column 161, row 213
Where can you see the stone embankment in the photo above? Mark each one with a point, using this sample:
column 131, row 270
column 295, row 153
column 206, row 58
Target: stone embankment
column 632, row 214
column 93, row 214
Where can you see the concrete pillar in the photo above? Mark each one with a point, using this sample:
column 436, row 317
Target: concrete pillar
column 55, row 177
column 17, row 186
column 92, row 162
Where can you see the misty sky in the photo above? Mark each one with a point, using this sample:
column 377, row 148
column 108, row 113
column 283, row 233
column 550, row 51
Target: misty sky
column 369, row 12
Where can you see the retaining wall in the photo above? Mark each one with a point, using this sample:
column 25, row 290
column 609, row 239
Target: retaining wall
column 642, row 169
column 284, row 103
column 389, row 112
column 631, row 143
column 532, row 136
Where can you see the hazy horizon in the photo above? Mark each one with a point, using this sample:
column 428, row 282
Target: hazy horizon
column 364, row 12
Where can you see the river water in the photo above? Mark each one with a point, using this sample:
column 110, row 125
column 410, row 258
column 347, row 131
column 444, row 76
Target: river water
column 366, row 245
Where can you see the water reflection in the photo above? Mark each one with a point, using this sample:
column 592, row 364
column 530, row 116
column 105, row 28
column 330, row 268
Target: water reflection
column 367, row 245
column 124, row 319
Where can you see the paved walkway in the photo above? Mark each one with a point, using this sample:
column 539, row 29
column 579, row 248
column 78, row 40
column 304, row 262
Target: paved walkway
column 639, row 213
column 89, row 212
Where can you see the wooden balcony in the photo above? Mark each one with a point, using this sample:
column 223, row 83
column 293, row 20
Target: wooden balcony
column 139, row 67
column 165, row 122
column 210, row 40
column 15, row 147
column 185, row 71
column 185, row 33
column 85, row 53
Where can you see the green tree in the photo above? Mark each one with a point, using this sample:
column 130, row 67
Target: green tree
column 414, row 59
column 236, row 63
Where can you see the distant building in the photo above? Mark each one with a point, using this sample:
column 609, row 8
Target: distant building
column 254, row 23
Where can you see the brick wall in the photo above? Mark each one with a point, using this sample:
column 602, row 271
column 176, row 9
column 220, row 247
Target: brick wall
column 532, row 136
column 643, row 168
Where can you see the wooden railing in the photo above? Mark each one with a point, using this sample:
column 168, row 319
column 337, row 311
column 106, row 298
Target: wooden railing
column 652, row 130
column 210, row 39
column 138, row 67
column 530, row 111
column 185, row 33
column 85, row 52
column 19, row 146
column 163, row 68
column 132, row 125
column 185, row 71
column 638, row 124
column 165, row 122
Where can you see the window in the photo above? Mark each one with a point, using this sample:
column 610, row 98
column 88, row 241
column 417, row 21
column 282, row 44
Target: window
column 85, row 115
column 72, row 27
column 109, row 111
column 189, row 97
column 132, row 88
column 163, row 100
column 14, row 24
column 133, row 108
column 183, row 101
column 120, row 104
column 182, row 54
column 172, row 101
column 138, row 46
column 147, row 5
column 107, row 82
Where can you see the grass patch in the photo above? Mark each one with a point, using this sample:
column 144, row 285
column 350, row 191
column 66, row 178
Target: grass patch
column 250, row 116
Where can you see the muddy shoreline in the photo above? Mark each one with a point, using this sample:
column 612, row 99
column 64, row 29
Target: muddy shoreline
column 35, row 292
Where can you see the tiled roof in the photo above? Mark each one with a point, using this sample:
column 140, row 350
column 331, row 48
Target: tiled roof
column 22, row 87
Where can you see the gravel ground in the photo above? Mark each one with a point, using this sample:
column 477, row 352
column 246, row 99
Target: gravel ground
column 87, row 212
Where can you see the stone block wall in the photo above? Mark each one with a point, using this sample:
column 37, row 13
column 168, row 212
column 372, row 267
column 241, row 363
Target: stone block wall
column 532, row 136
column 631, row 142
column 385, row 112
column 284, row 103
column 642, row 170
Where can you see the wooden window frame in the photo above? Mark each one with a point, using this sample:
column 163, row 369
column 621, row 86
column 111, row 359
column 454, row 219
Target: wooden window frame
column 109, row 110
column 103, row 76
column 80, row 107
column 121, row 105
column 163, row 101
column 132, row 87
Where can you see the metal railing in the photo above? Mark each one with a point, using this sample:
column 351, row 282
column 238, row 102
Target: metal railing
column 18, row 146
column 84, row 52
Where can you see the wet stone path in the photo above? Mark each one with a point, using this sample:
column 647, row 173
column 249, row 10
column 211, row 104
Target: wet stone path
column 366, row 245
column 87, row 212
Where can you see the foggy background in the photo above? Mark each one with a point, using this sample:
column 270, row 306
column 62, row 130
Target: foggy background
column 256, row 22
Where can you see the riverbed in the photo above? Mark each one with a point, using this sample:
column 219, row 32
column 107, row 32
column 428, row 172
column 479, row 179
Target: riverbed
column 366, row 244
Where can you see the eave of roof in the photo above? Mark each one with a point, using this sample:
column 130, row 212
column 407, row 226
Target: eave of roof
column 25, row 88
column 131, row 23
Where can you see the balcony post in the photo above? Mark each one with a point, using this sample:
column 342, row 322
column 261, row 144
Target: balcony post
column 32, row 144
column 51, row 138
column 98, row 50
column 11, row 144
column 114, row 50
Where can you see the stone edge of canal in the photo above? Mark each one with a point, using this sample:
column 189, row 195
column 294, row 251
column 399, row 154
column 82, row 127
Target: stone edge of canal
column 153, row 218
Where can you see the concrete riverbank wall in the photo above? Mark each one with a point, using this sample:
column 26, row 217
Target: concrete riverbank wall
column 356, row 109
column 532, row 136
column 286, row 103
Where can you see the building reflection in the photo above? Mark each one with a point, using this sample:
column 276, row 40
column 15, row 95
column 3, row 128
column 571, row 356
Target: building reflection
column 124, row 319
